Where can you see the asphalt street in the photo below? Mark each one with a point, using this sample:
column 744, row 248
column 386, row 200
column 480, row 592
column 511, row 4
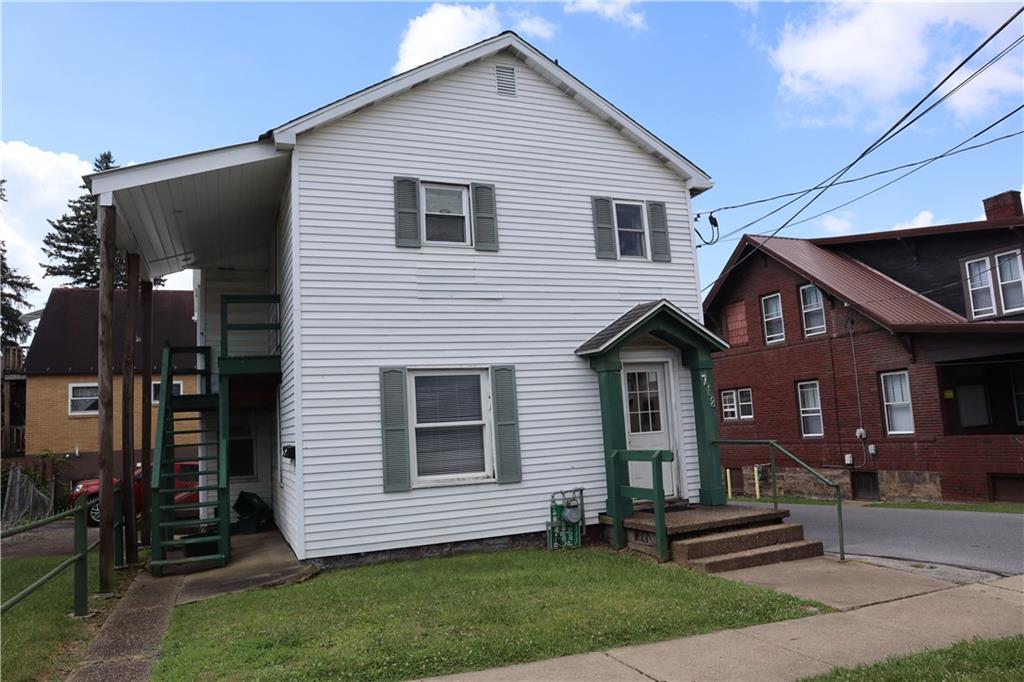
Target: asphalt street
column 976, row 540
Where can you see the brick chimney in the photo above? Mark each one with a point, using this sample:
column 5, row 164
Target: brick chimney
column 1005, row 205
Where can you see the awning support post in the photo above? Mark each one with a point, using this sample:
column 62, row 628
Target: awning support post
column 107, row 222
column 128, row 502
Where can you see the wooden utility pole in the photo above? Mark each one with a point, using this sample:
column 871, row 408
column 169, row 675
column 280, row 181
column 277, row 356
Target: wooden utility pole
column 128, row 502
column 107, row 219
column 146, row 310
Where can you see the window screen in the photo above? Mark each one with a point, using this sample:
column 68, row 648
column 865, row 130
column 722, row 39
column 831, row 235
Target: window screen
column 445, row 214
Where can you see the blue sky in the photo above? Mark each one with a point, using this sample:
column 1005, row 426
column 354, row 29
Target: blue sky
column 766, row 97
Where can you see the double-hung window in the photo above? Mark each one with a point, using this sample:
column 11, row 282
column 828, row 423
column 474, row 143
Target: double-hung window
column 979, row 286
column 729, row 410
column 745, row 398
column 450, row 425
column 771, row 312
column 1011, row 281
column 176, row 389
column 813, row 308
column 630, row 229
column 83, row 398
column 899, row 414
column 811, row 424
column 445, row 211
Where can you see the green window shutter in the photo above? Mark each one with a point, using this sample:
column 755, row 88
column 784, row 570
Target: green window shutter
column 604, row 228
column 657, row 221
column 485, row 217
column 407, row 212
column 506, row 424
column 394, row 430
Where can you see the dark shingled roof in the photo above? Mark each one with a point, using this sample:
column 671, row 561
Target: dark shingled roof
column 67, row 339
column 600, row 341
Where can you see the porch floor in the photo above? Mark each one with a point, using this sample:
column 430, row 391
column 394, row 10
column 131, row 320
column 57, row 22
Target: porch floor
column 696, row 518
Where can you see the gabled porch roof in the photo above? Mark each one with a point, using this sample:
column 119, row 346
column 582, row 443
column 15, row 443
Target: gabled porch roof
column 633, row 321
column 185, row 211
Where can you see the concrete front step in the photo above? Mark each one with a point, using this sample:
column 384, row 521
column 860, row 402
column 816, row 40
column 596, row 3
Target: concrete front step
column 734, row 541
column 772, row 554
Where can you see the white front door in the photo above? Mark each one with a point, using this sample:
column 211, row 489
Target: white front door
column 649, row 418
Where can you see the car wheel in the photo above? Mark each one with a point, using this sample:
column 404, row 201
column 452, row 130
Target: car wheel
column 93, row 518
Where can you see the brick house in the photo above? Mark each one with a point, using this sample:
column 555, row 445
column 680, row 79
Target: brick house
column 893, row 361
column 61, row 391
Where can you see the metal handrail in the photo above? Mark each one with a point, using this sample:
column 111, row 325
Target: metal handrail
column 773, row 445
column 656, row 494
column 79, row 559
column 228, row 300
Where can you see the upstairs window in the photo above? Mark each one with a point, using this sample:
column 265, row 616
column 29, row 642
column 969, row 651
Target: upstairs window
column 899, row 415
column 737, row 403
column 809, row 398
column 813, row 308
column 630, row 230
column 994, row 284
column 729, row 411
column 745, row 397
column 771, row 311
column 83, row 398
column 1011, row 281
column 445, row 208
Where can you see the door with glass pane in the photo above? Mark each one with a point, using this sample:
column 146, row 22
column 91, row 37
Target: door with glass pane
column 649, row 417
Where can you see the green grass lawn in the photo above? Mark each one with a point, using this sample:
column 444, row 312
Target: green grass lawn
column 998, row 507
column 997, row 660
column 786, row 499
column 435, row 616
column 36, row 634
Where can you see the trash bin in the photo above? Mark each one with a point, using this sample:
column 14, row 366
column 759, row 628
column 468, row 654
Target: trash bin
column 254, row 514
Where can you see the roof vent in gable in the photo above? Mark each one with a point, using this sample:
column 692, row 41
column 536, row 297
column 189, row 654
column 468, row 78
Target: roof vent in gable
column 506, row 79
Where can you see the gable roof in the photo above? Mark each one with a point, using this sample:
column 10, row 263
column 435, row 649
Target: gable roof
column 875, row 295
column 66, row 339
column 698, row 181
column 634, row 318
column 915, row 232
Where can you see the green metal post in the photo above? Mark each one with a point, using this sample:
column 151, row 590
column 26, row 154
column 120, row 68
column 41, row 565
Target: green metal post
column 119, row 558
column 223, row 443
column 839, row 515
column 775, row 484
column 702, row 381
column 81, row 558
column 658, row 488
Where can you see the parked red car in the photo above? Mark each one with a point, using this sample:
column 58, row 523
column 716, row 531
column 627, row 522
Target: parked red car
column 90, row 487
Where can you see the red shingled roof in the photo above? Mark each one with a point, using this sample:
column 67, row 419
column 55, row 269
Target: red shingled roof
column 877, row 296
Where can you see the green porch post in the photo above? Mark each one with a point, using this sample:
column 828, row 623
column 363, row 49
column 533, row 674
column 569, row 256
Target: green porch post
column 613, row 430
column 705, row 416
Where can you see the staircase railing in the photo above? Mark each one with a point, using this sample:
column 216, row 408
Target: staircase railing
column 230, row 301
column 773, row 445
column 623, row 494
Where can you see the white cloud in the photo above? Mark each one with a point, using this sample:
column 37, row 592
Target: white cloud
column 444, row 29
column 856, row 59
column 835, row 224
column 619, row 12
column 533, row 25
column 39, row 184
column 922, row 219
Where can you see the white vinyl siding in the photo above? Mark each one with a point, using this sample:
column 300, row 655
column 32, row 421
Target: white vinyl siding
column 771, row 314
column 899, row 413
column 812, row 307
column 809, row 398
column 366, row 304
column 979, row 286
column 1011, row 281
column 83, row 399
column 745, row 398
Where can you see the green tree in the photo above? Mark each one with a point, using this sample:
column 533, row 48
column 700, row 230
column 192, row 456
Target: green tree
column 13, row 288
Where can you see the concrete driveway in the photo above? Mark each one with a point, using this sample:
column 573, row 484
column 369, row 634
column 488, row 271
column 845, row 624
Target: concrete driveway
column 977, row 540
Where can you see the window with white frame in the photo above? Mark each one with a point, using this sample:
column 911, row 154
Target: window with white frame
column 729, row 410
column 630, row 229
column 745, row 398
column 811, row 424
column 1018, row 392
column 83, row 398
column 177, row 388
column 979, row 287
column 1011, row 281
column 812, row 305
column 445, row 211
column 771, row 313
column 899, row 414
column 450, row 424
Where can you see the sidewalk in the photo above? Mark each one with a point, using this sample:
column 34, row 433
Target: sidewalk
column 793, row 649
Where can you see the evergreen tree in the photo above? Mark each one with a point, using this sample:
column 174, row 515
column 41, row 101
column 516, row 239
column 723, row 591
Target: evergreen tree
column 73, row 242
column 13, row 289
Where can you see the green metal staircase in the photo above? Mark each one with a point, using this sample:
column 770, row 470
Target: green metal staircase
column 178, row 523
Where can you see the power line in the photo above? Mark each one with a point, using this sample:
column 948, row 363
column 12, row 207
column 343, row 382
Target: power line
column 789, row 222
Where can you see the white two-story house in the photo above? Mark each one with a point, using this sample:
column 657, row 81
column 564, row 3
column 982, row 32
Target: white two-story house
column 430, row 304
